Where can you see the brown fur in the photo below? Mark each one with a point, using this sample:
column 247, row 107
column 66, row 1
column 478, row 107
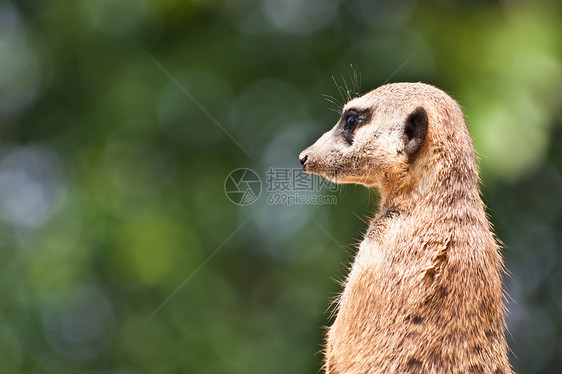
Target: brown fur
column 424, row 294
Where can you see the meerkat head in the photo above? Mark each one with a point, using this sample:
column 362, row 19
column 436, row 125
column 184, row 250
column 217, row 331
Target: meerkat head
column 375, row 142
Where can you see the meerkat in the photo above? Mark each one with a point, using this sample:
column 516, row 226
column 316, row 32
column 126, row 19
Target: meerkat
column 424, row 293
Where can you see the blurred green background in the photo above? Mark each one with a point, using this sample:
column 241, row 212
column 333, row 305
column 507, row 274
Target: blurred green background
column 120, row 252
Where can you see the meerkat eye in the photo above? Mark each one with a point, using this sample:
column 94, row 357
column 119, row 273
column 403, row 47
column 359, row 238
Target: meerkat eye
column 351, row 122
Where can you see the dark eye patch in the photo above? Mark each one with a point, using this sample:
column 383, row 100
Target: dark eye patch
column 351, row 120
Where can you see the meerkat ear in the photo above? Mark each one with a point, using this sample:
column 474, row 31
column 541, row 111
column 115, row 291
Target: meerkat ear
column 415, row 131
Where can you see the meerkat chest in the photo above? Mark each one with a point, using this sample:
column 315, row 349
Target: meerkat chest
column 374, row 301
column 382, row 275
column 387, row 252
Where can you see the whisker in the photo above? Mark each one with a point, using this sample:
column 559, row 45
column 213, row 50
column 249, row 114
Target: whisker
column 340, row 89
column 347, row 95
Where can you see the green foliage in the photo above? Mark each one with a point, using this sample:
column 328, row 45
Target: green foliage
column 120, row 120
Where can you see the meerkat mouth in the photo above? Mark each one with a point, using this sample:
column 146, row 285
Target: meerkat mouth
column 328, row 173
column 339, row 176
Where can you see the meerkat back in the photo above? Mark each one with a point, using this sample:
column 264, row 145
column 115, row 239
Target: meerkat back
column 424, row 294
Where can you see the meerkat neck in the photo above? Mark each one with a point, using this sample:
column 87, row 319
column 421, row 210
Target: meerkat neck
column 453, row 182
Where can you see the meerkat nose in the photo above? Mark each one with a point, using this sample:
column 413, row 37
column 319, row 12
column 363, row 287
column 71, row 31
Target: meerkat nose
column 302, row 159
